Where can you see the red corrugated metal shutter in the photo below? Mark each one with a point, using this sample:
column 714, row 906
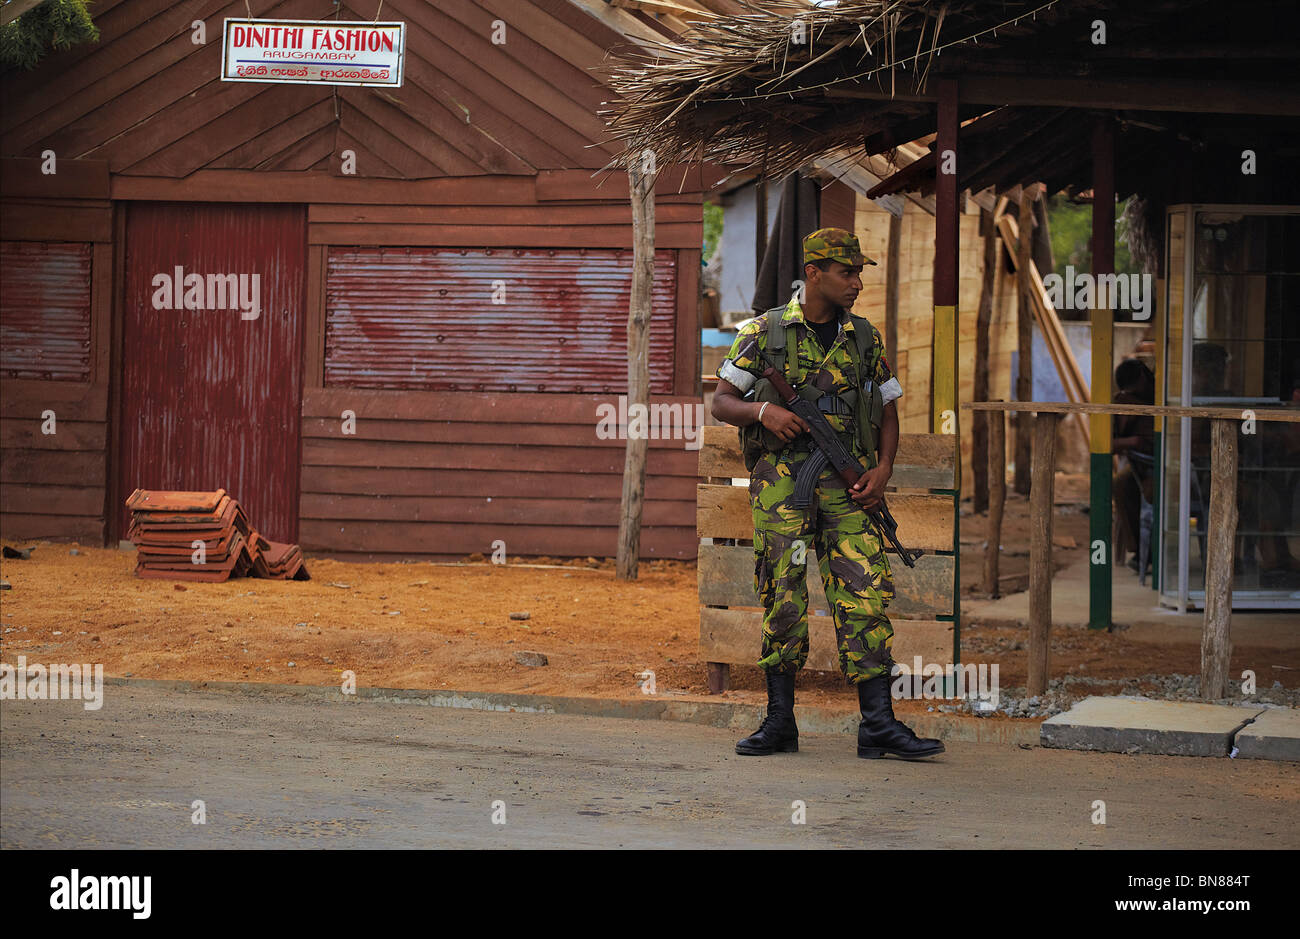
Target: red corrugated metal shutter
column 424, row 318
column 45, row 310
column 211, row 400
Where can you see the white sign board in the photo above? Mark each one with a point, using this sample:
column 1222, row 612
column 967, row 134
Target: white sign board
column 313, row 52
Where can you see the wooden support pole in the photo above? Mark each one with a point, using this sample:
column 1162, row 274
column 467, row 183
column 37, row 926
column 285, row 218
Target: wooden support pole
column 944, row 375
column 642, row 183
column 997, row 476
column 1103, row 328
column 983, row 319
column 1024, row 339
column 1216, row 640
column 891, row 286
column 1040, row 550
column 760, row 223
column 943, row 372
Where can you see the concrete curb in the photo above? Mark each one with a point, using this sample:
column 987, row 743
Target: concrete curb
column 728, row 715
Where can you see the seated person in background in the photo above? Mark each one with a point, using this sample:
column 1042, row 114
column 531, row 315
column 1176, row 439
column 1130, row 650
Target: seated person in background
column 1133, row 440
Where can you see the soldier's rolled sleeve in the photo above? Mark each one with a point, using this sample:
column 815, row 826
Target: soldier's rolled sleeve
column 740, row 368
column 890, row 389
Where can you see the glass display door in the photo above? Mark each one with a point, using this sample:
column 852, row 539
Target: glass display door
column 1232, row 340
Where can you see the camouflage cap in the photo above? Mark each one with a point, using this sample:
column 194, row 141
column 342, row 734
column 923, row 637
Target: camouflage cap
column 834, row 244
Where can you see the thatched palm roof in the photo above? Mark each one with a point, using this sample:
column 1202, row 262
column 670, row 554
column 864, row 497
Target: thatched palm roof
column 774, row 88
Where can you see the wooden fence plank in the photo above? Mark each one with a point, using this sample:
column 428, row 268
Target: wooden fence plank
column 452, row 482
column 88, row 530
column 726, row 578
column 666, row 462
column 408, row 539
column 924, row 521
column 735, row 637
column 466, row 406
column 69, row 435
column 54, row 467
column 44, row 499
column 487, row 510
column 924, row 461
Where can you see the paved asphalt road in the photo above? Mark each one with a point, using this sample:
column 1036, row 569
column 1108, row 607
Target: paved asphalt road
column 287, row 772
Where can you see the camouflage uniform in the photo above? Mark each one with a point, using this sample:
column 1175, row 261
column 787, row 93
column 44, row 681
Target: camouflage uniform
column 854, row 570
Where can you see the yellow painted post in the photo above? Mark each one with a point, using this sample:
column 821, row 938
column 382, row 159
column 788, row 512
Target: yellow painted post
column 1101, row 560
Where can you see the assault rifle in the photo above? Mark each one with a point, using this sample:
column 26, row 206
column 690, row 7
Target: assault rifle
column 830, row 450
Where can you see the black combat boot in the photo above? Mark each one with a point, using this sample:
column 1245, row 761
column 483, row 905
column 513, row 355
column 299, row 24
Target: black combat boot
column 880, row 733
column 777, row 733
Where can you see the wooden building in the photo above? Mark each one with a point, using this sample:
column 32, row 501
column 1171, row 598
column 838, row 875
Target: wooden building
column 432, row 287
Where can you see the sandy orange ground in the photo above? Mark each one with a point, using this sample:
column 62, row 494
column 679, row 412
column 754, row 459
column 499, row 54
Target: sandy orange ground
column 419, row 625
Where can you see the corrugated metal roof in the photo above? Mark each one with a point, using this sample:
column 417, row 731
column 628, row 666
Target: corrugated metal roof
column 45, row 310
column 424, row 318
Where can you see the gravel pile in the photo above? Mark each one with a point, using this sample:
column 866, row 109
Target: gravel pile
column 1062, row 693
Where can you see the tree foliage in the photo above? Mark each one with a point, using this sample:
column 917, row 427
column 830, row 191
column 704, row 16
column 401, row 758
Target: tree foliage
column 1070, row 224
column 54, row 24
column 712, row 228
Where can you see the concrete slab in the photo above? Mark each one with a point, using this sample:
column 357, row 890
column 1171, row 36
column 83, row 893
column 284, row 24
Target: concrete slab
column 1274, row 735
column 1140, row 725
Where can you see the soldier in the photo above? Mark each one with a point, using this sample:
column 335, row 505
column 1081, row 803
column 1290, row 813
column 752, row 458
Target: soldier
column 837, row 360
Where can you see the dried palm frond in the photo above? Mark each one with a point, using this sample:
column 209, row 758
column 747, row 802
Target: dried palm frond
column 772, row 88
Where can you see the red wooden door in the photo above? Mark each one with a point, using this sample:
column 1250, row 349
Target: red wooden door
column 212, row 355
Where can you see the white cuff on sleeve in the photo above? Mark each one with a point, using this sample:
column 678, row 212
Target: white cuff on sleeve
column 891, row 390
column 742, row 379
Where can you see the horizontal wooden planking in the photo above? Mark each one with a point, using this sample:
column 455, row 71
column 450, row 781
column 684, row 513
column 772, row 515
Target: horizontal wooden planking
column 924, row 521
column 501, row 434
column 671, row 235
column 465, row 406
column 77, row 401
column 321, row 452
column 222, row 185
column 320, row 188
column 582, row 185
column 69, row 435
column 924, row 461
column 558, row 508
column 46, row 499
column 74, row 179
column 24, row 220
column 453, row 538
column 27, row 527
column 726, row 574
column 735, row 637
column 596, row 213
column 524, row 483
column 54, row 467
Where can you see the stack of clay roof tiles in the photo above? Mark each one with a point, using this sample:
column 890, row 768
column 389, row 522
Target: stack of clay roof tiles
column 165, row 525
